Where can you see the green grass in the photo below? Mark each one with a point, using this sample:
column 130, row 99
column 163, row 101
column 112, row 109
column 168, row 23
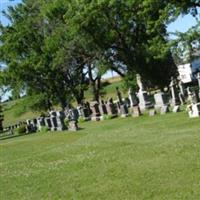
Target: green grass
column 143, row 158
column 16, row 111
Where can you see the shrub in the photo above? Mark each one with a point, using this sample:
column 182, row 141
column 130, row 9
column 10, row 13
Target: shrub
column 66, row 122
column 21, row 130
column 44, row 129
column 81, row 120
column 107, row 117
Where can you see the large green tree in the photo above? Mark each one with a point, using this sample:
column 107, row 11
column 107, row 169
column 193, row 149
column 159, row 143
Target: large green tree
column 37, row 52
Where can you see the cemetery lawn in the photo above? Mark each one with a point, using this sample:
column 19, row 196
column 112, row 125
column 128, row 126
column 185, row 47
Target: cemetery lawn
column 144, row 158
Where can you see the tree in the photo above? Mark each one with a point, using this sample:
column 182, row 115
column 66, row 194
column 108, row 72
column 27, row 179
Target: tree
column 130, row 32
column 38, row 54
column 1, row 118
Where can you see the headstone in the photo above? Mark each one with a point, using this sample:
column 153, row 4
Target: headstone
column 136, row 111
column 182, row 93
column 193, row 110
column 53, row 123
column 174, row 93
column 144, row 102
column 192, row 97
column 47, row 121
column 124, row 110
column 30, row 126
column 94, row 105
column 73, row 126
column 160, row 100
column 102, row 108
column 133, row 98
column 40, row 123
column 119, row 95
column 111, row 109
column 73, row 119
column 60, row 123
column 176, row 109
column 198, row 79
column 127, row 102
column 73, row 114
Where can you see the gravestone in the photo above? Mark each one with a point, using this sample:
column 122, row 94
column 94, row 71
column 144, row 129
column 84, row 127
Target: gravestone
column 133, row 98
column 144, row 102
column 111, row 109
column 124, row 110
column 198, row 79
column 136, row 111
column 30, row 126
column 73, row 119
column 176, row 109
column 53, row 123
column 193, row 110
column 174, row 93
column 47, row 121
column 192, row 97
column 102, row 108
column 94, row 105
column 119, row 96
column 160, row 100
column 40, row 123
column 182, row 93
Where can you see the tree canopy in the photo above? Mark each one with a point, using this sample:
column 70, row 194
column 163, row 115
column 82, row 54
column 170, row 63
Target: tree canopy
column 52, row 48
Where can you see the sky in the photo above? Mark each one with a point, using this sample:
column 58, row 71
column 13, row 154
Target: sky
column 182, row 24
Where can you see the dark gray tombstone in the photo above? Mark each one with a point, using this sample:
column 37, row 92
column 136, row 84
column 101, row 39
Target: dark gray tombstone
column 124, row 110
column 111, row 108
column 102, row 108
column 119, row 96
column 40, row 123
column 48, row 122
column 73, row 119
column 198, row 79
column 134, row 101
column 94, row 105
column 54, row 124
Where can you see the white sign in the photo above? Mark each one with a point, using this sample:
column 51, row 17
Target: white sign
column 185, row 73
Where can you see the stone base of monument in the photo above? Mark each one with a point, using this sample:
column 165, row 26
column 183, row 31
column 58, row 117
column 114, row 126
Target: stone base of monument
column 124, row 111
column 152, row 112
column 176, row 109
column 97, row 118
column 73, row 126
column 193, row 110
column 164, row 110
column 136, row 111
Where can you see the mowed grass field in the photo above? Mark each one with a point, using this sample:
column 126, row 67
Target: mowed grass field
column 134, row 158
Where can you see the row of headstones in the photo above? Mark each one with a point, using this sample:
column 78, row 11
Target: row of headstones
column 140, row 102
column 54, row 122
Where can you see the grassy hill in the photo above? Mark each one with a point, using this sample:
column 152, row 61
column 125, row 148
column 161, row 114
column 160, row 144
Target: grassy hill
column 19, row 110
column 142, row 158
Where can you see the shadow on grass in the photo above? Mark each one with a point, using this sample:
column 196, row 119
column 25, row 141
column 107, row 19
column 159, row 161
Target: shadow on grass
column 13, row 136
